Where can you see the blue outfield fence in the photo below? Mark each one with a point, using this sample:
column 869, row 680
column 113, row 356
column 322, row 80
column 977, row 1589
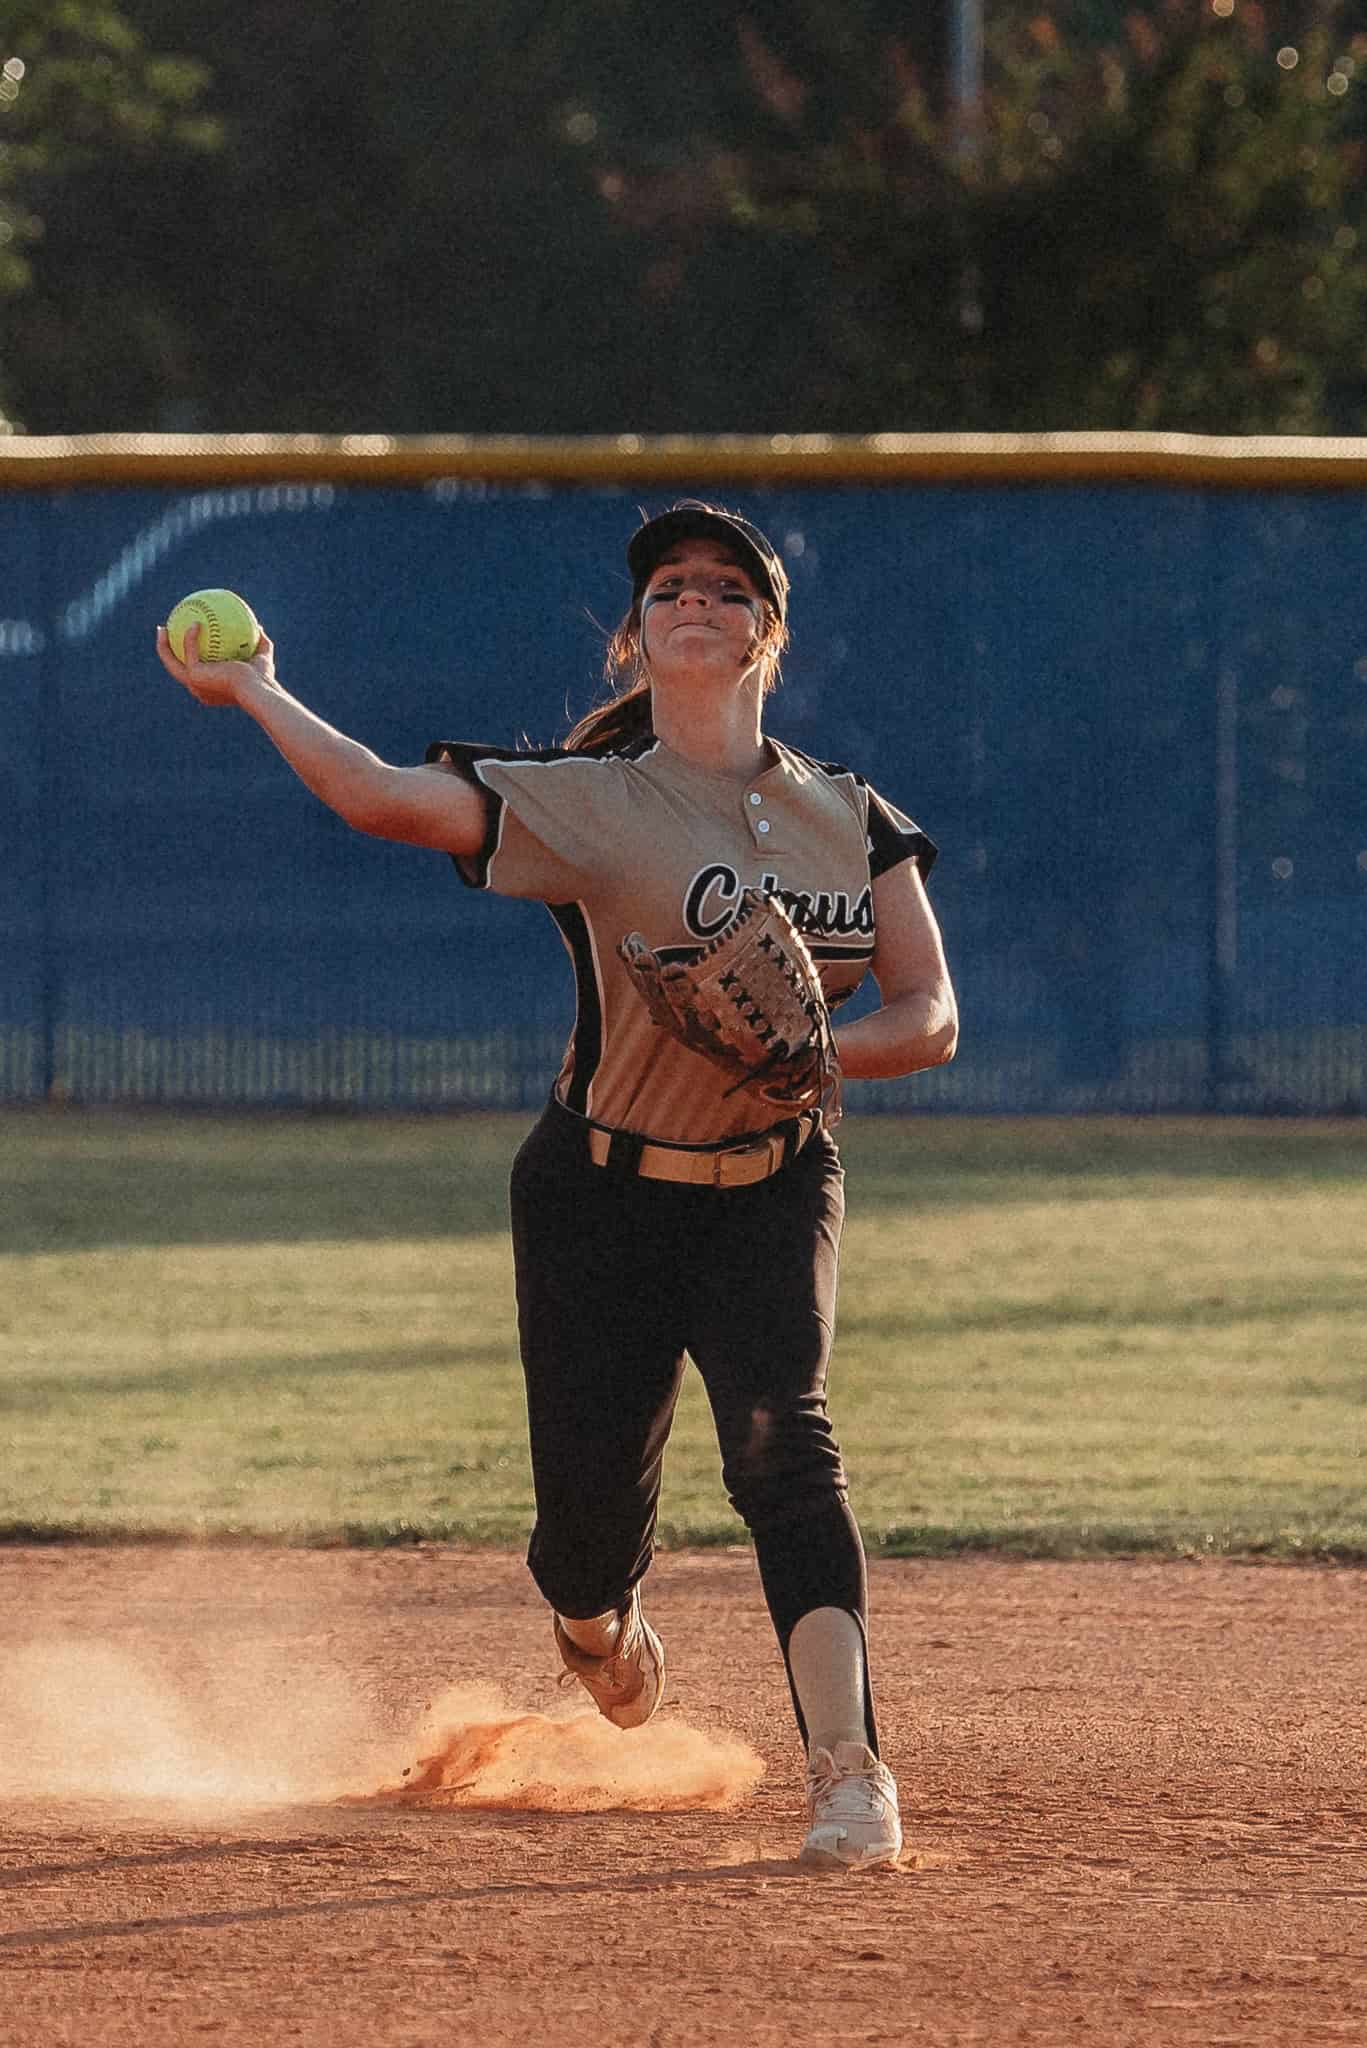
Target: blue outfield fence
column 1133, row 714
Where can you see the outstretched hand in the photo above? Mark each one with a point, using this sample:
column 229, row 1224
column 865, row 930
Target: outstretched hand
column 215, row 682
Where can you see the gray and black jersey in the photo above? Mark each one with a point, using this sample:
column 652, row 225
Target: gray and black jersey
column 646, row 841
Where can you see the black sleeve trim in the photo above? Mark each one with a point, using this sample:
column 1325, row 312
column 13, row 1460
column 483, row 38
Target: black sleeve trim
column 891, row 843
column 473, row 868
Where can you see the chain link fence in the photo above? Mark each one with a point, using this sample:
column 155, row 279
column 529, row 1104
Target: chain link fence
column 1133, row 715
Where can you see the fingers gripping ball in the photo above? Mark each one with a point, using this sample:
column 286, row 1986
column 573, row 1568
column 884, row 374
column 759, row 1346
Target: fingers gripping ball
column 228, row 626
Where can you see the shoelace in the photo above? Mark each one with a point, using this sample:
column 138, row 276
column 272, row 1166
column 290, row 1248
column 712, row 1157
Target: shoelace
column 846, row 1795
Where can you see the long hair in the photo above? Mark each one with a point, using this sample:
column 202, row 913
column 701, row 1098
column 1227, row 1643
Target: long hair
column 627, row 715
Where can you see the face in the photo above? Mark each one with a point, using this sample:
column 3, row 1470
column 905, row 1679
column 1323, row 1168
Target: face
column 700, row 610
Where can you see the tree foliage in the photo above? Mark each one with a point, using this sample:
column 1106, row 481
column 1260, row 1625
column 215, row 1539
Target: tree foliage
column 80, row 93
column 1162, row 230
column 760, row 215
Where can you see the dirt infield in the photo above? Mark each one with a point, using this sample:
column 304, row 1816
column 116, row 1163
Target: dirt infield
column 1134, row 1793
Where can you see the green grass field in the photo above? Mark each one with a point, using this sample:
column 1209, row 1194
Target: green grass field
column 1056, row 1337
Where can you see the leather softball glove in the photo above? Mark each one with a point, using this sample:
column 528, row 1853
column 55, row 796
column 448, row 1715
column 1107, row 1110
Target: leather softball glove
column 751, row 1001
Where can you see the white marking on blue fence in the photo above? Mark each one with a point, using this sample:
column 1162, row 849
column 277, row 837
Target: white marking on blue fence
column 207, row 508
column 19, row 638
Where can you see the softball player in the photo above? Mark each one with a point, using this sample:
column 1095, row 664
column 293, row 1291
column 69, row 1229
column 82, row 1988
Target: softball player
column 655, row 1212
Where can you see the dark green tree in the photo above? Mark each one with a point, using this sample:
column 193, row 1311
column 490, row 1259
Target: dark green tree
column 503, row 219
column 82, row 95
column 1160, row 231
column 522, row 218
column 1205, row 224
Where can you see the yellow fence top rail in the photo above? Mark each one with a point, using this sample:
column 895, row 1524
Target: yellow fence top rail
column 1289, row 462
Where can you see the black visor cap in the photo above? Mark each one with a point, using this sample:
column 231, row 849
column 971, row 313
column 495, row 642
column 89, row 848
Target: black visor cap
column 693, row 520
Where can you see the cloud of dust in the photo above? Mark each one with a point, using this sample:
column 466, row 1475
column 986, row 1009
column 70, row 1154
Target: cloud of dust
column 81, row 1720
column 260, row 1725
column 472, row 1751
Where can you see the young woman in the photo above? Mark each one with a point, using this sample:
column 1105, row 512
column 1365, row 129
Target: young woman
column 657, row 1212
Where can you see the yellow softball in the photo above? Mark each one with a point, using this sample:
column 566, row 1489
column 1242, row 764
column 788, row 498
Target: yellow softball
column 228, row 626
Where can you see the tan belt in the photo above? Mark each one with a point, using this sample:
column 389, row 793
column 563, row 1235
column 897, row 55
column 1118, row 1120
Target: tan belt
column 711, row 1166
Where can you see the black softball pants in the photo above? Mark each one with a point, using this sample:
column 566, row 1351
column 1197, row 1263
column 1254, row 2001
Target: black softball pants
column 617, row 1278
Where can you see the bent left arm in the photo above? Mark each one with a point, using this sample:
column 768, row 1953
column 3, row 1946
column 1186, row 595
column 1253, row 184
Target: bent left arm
column 918, row 1024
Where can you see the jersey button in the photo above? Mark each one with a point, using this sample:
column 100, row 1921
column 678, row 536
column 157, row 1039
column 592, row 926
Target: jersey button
column 755, row 797
column 763, row 825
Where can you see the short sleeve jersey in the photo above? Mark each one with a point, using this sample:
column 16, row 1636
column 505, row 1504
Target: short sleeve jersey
column 645, row 841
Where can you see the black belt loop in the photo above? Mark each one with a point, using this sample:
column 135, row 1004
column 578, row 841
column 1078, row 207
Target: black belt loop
column 624, row 1151
column 796, row 1131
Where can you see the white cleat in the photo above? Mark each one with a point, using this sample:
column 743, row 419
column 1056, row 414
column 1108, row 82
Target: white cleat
column 628, row 1684
column 853, row 1803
